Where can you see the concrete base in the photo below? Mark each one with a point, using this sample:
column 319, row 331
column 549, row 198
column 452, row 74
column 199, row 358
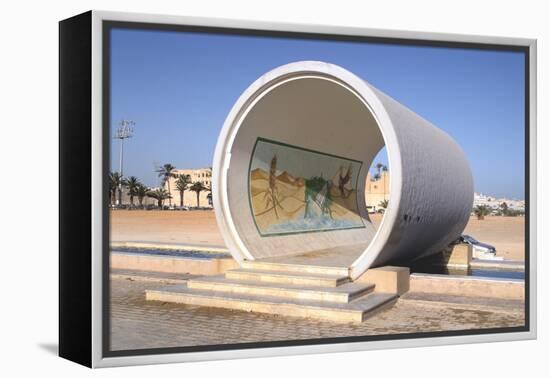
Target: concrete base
column 468, row 286
column 388, row 279
column 171, row 264
column 458, row 256
column 319, row 292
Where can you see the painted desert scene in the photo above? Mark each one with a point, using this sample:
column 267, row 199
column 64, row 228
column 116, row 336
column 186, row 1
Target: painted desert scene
column 293, row 190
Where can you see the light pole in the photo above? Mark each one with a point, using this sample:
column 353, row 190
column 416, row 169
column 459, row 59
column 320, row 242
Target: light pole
column 125, row 130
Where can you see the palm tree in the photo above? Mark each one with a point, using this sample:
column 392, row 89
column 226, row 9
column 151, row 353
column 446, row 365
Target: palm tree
column 182, row 182
column 159, row 194
column 198, row 187
column 481, row 211
column 166, row 172
column 383, row 204
column 132, row 184
column 141, row 192
column 378, row 168
column 115, row 181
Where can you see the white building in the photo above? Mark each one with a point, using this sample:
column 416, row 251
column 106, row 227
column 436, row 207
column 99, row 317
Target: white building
column 494, row 203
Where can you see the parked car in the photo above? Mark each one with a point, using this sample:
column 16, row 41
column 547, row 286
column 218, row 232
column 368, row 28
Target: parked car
column 478, row 247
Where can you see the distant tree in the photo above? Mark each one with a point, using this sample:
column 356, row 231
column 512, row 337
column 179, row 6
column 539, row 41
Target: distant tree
column 481, row 211
column 132, row 183
column 376, row 176
column 165, row 173
column 504, row 209
column 115, row 181
column 384, row 168
column 159, row 194
column 182, row 183
column 515, row 213
column 378, row 168
column 141, row 192
column 198, row 187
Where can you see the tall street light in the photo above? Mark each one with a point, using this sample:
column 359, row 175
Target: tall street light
column 125, row 130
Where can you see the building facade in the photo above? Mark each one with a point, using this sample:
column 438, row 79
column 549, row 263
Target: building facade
column 202, row 175
column 377, row 191
column 495, row 204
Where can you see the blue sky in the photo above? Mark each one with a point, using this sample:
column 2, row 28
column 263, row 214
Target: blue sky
column 178, row 88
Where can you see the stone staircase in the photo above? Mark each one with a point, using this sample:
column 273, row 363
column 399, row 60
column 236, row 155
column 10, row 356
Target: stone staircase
column 319, row 292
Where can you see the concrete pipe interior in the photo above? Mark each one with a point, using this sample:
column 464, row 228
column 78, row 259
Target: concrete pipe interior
column 290, row 169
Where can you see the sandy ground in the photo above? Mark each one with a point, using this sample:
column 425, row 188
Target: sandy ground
column 200, row 228
column 173, row 227
column 507, row 234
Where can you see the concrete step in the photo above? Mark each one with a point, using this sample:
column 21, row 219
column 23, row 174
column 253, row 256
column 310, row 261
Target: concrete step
column 295, row 268
column 356, row 311
column 290, row 278
column 341, row 294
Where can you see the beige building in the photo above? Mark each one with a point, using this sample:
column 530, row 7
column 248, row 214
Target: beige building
column 377, row 191
column 202, row 175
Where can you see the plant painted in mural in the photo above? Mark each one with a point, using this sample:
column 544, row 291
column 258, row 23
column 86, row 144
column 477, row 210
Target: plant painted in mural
column 271, row 195
column 294, row 190
column 317, row 192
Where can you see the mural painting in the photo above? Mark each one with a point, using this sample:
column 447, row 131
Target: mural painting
column 295, row 190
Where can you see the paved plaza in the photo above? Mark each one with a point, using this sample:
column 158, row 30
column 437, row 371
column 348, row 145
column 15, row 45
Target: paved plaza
column 137, row 323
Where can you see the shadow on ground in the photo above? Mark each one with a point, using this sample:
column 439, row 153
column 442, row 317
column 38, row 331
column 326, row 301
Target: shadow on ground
column 51, row 348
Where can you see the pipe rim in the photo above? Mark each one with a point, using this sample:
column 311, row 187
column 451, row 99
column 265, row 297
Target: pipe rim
column 247, row 100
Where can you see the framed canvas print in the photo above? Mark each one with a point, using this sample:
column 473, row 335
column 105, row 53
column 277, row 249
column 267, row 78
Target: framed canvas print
column 232, row 189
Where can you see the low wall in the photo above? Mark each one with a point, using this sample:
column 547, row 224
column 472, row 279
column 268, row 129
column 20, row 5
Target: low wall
column 388, row 279
column 171, row 264
column 468, row 286
column 171, row 246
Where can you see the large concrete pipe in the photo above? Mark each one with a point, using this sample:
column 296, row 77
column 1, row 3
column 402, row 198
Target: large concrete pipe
column 291, row 164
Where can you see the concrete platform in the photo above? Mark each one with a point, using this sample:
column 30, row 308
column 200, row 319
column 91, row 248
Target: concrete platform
column 138, row 324
column 468, row 286
column 320, row 292
column 342, row 256
column 296, row 278
column 292, row 266
column 510, row 265
column 356, row 311
column 340, row 294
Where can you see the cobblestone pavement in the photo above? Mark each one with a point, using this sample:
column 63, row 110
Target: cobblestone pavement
column 136, row 323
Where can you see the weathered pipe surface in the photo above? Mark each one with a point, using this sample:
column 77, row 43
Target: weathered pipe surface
column 316, row 106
